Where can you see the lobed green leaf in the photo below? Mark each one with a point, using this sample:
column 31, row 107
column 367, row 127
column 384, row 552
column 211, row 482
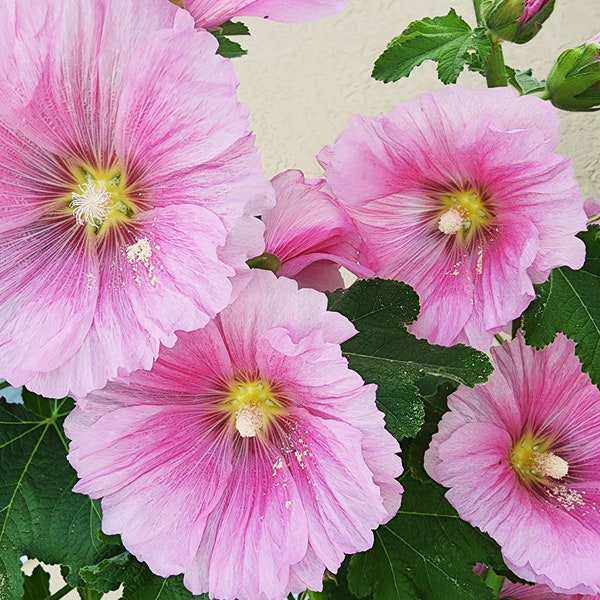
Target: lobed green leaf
column 425, row 553
column 569, row 303
column 385, row 353
column 37, row 585
column 39, row 514
column 447, row 40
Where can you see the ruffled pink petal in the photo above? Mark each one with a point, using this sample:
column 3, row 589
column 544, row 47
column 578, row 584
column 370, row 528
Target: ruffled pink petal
column 143, row 300
column 321, row 275
column 306, row 227
column 64, row 118
column 161, row 476
column 503, row 287
column 210, row 14
column 209, row 160
column 44, row 320
column 261, row 503
column 243, row 326
column 29, row 179
column 538, row 591
column 336, row 488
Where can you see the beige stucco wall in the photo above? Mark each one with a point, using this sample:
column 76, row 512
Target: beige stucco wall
column 302, row 82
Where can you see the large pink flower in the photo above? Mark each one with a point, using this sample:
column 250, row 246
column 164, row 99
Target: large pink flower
column 127, row 183
column 459, row 194
column 250, row 457
column 212, row 13
column 310, row 235
column 521, row 456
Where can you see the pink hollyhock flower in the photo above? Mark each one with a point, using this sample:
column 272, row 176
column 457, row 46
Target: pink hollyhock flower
column 521, row 456
column 250, row 458
column 127, row 183
column 308, row 235
column 459, row 194
column 209, row 14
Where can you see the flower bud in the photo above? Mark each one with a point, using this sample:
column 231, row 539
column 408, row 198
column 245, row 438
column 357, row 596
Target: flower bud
column 516, row 20
column 574, row 81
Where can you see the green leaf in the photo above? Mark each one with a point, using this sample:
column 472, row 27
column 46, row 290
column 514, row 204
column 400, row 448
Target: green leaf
column 447, row 40
column 425, row 553
column 144, row 585
column 87, row 594
column 568, row 302
column 108, row 574
column 413, row 450
column 386, row 354
column 228, row 48
column 524, row 81
column 591, row 239
column 37, row 585
column 39, row 514
column 233, row 28
column 139, row 582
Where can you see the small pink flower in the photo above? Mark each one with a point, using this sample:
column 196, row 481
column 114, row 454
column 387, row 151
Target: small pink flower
column 459, row 194
column 310, row 234
column 209, row 14
column 250, row 458
column 521, row 456
column 128, row 185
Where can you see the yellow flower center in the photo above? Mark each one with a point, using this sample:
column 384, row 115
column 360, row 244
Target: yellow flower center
column 463, row 214
column 532, row 460
column 252, row 405
column 99, row 199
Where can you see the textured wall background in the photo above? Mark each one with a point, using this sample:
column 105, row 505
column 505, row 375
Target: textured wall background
column 302, row 82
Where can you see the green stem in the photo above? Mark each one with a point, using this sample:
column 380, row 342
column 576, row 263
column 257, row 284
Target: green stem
column 61, row 593
column 4, row 384
column 495, row 70
column 499, row 338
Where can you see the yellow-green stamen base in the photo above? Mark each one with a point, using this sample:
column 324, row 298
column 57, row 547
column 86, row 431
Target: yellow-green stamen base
column 462, row 214
column 99, row 199
column 253, row 405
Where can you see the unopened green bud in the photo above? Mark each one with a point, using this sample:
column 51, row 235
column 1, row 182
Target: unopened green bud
column 516, row 20
column 574, row 81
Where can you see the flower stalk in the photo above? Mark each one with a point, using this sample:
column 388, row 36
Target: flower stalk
column 495, row 71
